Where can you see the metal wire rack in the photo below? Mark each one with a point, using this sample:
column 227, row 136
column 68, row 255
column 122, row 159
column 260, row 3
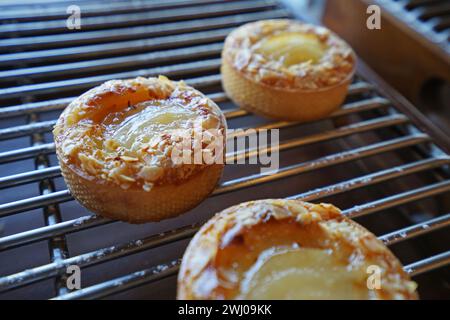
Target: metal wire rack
column 376, row 158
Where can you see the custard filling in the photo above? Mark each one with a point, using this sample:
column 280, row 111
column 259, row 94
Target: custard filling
column 302, row 273
column 141, row 123
column 292, row 48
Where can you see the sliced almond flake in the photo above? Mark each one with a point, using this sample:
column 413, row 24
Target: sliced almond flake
column 125, row 186
column 126, row 178
column 150, row 173
column 147, row 186
column 129, row 159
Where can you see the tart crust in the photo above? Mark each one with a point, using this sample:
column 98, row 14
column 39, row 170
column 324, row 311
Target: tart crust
column 304, row 91
column 227, row 246
column 120, row 166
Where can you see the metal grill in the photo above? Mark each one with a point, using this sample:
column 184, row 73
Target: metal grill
column 376, row 158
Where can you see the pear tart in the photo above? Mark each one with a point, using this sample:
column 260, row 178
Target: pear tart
column 289, row 249
column 286, row 69
column 115, row 145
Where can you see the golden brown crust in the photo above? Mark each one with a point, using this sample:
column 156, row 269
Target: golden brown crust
column 302, row 92
column 280, row 104
column 235, row 237
column 137, row 205
column 128, row 171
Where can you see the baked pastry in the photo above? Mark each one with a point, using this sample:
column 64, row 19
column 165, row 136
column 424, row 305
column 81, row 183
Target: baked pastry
column 288, row 249
column 116, row 145
column 285, row 69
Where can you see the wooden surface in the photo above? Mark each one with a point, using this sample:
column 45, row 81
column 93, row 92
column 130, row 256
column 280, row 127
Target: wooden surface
column 396, row 55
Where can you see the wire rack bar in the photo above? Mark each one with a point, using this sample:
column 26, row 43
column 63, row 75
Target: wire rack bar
column 145, row 33
column 123, row 48
column 26, row 129
column 324, row 136
column 399, row 199
column 25, row 153
column 120, row 284
column 416, row 230
column 429, row 264
column 124, row 20
column 94, row 9
column 69, row 226
column 99, row 65
column 182, row 69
